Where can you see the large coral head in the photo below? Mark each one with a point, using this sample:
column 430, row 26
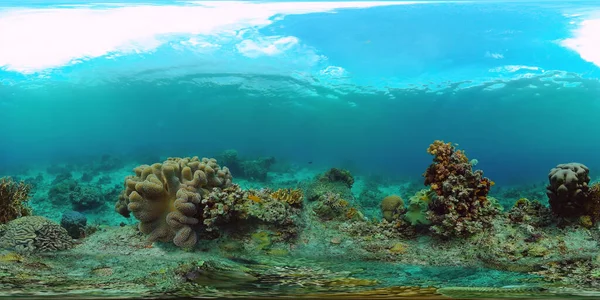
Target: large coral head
column 166, row 198
column 568, row 189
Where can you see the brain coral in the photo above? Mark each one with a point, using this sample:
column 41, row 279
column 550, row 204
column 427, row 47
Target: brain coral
column 34, row 234
column 568, row 189
column 166, row 197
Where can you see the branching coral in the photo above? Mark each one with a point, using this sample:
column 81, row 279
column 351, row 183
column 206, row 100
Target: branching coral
column 166, row 198
column 13, row 200
column 34, row 234
column 460, row 206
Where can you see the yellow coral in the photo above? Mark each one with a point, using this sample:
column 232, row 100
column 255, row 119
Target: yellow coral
column 11, row 257
column 418, row 205
column 398, row 248
column 165, row 197
column 391, row 207
column 522, row 202
column 293, row 197
column 13, row 200
column 586, row 221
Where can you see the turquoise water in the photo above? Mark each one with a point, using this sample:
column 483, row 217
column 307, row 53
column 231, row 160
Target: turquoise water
column 364, row 86
column 376, row 84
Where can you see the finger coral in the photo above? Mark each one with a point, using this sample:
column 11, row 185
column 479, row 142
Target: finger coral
column 13, row 200
column 166, row 198
column 460, row 206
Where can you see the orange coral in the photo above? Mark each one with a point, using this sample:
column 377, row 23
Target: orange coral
column 13, row 200
column 447, row 160
column 461, row 206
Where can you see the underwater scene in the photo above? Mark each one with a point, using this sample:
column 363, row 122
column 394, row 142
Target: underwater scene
column 299, row 149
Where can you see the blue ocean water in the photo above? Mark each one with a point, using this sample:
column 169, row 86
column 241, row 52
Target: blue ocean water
column 368, row 87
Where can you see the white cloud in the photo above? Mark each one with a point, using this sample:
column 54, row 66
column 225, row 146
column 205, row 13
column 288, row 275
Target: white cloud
column 37, row 39
column 586, row 41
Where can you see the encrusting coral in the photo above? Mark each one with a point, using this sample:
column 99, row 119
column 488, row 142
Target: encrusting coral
column 13, row 200
column 166, row 198
column 460, row 206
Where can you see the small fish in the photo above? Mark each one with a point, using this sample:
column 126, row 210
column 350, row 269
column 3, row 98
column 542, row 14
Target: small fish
column 310, row 162
column 254, row 198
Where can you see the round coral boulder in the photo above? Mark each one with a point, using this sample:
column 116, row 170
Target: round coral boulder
column 568, row 189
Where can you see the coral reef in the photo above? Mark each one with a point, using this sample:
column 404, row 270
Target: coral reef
column 531, row 213
column 237, row 211
column 460, row 206
column 167, row 198
column 338, row 175
column 331, row 206
column 81, row 197
column 333, row 181
column 74, row 222
column 34, row 234
column 568, row 190
column 254, row 169
column 13, row 200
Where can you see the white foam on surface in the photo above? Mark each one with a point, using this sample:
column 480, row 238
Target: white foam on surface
column 586, row 38
column 34, row 40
